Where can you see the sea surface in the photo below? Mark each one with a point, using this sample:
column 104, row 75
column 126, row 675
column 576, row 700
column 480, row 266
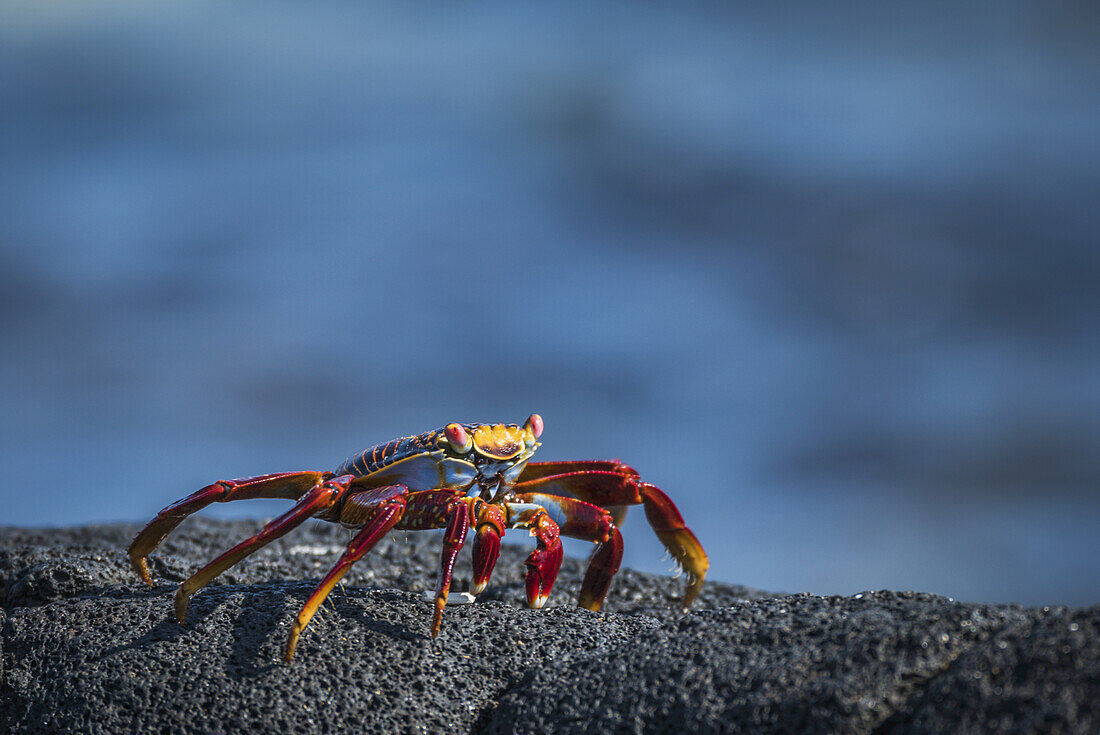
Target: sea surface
column 829, row 276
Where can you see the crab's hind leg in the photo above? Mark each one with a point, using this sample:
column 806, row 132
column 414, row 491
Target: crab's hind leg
column 668, row 524
column 612, row 483
column 289, row 485
column 320, row 498
column 377, row 511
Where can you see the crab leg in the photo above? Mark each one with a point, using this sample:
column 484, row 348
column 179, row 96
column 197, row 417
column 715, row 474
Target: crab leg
column 490, row 523
column 378, row 510
column 447, row 508
column 537, row 470
column 544, row 562
column 320, row 498
column 578, row 519
column 611, row 483
column 289, row 485
column 458, row 523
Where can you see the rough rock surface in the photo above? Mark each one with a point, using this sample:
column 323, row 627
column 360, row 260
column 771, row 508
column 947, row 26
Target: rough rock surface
column 85, row 648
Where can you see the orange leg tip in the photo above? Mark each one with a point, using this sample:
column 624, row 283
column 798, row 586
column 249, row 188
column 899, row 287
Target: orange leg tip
column 292, row 642
column 695, row 584
column 140, row 566
column 593, row 605
column 437, row 616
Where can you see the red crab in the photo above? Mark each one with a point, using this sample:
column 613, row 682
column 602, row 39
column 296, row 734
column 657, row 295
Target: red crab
column 460, row 477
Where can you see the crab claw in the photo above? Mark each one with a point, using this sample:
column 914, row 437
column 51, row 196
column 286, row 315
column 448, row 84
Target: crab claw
column 486, row 551
column 490, row 522
column 543, row 563
column 542, row 570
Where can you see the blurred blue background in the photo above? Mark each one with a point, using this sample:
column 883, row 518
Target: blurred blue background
column 828, row 276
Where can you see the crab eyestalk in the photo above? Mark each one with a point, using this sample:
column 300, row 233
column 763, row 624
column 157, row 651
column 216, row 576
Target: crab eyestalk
column 458, row 438
column 544, row 562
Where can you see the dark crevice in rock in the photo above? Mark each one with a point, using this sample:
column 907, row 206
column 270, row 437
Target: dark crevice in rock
column 912, row 689
column 915, row 689
column 1039, row 674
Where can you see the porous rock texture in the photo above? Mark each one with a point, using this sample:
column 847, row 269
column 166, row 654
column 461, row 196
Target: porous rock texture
column 86, row 648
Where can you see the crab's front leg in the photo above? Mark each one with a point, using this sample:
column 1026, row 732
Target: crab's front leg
column 609, row 483
column 489, row 525
column 588, row 522
column 450, row 510
column 544, row 562
column 431, row 509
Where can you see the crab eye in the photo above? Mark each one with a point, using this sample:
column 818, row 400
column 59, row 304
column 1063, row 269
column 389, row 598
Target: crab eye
column 457, row 437
column 534, row 425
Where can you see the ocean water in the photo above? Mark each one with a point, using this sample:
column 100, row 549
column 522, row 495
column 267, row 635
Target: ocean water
column 829, row 277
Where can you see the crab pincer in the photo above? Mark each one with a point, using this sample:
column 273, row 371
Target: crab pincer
column 544, row 562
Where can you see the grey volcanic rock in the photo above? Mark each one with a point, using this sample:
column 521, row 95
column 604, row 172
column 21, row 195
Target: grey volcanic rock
column 877, row 662
column 86, row 648
column 1038, row 675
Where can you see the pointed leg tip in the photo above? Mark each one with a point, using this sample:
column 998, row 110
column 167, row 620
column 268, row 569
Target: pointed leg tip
column 180, row 607
column 140, row 566
column 695, row 584
column 291, row 644
column 538, row 602
column 437, row 621
column 476, row 588
column 182, row 595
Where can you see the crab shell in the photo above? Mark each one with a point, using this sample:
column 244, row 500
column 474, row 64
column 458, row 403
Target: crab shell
column 486, row 458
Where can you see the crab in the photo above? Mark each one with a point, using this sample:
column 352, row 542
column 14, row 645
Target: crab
column 459, row 478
